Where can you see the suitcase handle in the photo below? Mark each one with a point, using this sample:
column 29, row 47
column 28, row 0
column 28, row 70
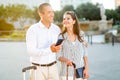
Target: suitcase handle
column 74, row 65
column 28, row 68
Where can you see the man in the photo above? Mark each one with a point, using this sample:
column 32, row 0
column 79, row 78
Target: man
column 40, row 39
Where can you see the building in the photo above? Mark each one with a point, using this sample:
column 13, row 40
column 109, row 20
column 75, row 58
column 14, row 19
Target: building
column 117, row 3
column 75, row 3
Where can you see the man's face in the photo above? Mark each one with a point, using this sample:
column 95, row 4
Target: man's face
column 48, row 14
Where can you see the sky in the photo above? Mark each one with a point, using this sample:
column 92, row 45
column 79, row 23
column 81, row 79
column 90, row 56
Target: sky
column 108, row 4
column 55, row 4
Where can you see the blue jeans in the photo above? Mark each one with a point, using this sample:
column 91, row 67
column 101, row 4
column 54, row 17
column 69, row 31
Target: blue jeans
column 79, row 72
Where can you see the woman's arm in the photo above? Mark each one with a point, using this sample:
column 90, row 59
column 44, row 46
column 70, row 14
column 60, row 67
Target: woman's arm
column 67, row 61
column 86, row 62
column 85, row 73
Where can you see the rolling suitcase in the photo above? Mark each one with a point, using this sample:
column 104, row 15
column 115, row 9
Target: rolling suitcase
column 27, row 69
column 74, row 75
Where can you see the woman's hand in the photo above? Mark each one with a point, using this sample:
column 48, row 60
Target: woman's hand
column 85, row 74
column 68, row 62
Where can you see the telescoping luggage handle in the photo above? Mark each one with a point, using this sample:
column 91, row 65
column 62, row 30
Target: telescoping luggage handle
column 74, row 66
column 28, row 68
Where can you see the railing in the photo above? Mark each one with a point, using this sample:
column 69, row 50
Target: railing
column 19, row 35
column 113, row 39
column 90, row 39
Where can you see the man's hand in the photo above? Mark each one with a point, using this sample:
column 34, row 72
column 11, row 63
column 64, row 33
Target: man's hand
column 55, row 48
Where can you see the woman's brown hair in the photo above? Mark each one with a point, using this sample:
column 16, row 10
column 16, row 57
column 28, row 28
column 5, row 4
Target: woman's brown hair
column 76, row 26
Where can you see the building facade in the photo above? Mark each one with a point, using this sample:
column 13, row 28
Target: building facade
column 117, row 3
column 75, row 3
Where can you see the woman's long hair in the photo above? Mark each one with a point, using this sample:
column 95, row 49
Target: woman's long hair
column 76, row 26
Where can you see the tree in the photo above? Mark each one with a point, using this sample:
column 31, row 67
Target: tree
column 88, row 11
column 118, row 9
column 59, row 14
column 114, row 15
column 110, row 13
column 118, row 13
column 35, row 13
column 16, row 12
column 20, row 13
column 4, row 26
column 2, row 10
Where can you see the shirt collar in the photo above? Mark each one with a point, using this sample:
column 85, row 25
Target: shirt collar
column 43, row 26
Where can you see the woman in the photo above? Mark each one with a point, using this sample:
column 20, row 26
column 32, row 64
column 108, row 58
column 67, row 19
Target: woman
column 73, row 47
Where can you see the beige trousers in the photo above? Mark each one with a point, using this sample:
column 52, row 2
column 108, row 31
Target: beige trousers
column 45, row 73
column 71, row 78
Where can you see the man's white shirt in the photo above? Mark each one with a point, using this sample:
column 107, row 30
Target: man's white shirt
column 38, row 41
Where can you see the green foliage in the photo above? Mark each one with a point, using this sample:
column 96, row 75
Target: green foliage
column 16, row 12
column 35, row 13
column 2, row 10
column 110, row 13
column 118, row 26
column 59, row 14
column 68, row 8
column 114, row 15
column 118, row 9
column 4, row 26
column 57, row 17
column 88, row 11
column 17, row 35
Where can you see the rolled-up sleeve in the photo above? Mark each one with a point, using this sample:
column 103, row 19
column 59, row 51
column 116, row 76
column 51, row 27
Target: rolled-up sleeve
column 85, row 51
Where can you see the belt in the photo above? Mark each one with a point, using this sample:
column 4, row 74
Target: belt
column 45, row 65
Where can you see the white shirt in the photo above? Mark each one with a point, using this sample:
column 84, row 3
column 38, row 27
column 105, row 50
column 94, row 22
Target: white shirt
column 38, row 41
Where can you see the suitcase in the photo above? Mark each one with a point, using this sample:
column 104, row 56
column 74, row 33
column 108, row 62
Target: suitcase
column 27, row 69
column 74, row 75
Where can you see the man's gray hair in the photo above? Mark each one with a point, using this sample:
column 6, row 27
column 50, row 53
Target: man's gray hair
column 41, row 7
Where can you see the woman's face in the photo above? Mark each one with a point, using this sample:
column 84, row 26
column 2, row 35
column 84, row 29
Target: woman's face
column 68, row 22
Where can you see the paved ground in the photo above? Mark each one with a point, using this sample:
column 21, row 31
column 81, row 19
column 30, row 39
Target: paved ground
column 104, row 61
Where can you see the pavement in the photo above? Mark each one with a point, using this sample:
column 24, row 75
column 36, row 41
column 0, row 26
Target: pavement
column 104, row 61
